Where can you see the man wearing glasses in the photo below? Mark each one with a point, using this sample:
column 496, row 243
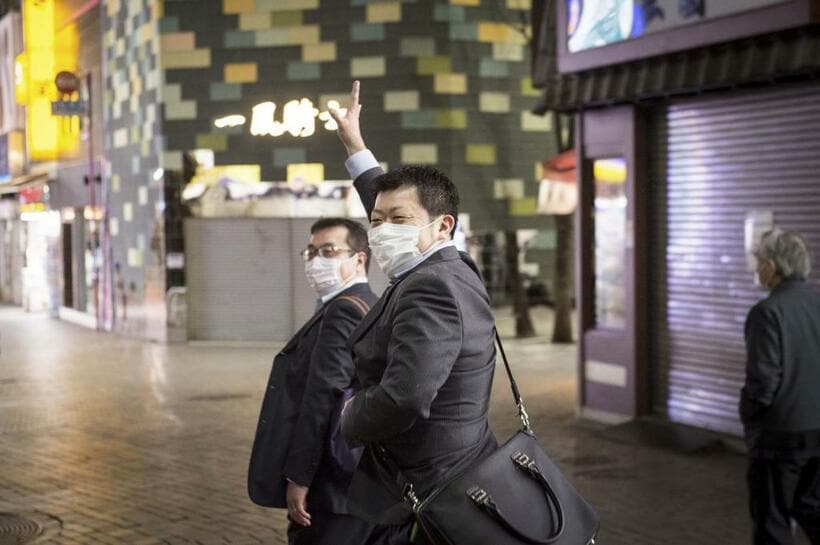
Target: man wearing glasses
column 299, row 461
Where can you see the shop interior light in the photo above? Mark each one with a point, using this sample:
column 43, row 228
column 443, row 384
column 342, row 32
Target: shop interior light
column 204, row 158
column 93, row 213
column 68, row 214
column 158, row 174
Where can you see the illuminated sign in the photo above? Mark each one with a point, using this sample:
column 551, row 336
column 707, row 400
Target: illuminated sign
column 298, row 119
column 34, row 75
column 229, row 121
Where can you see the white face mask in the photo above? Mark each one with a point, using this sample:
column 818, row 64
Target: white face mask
column 395, row 246
column 324, row 274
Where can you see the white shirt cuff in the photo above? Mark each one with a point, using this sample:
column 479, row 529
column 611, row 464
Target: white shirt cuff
column 360, row 162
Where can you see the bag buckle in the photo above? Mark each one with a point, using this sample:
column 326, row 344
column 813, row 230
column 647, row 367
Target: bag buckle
column 478, row 495
column 522, row 460
column 524, row 417
column 409, row 495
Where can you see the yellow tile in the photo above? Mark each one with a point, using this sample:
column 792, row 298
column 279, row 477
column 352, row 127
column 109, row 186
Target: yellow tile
column 508, row 52
column 450, row 84
column 480, row 154
column 321, row 52
column 508, row 188
column 216, row 142
column 528, row 206
column 420, row 154
column 254, row 21
column 466, row 2
column 306, row 172
column 427, row 66
column 245, row 72
column 178, row 41
column 401, row 101
column 238, row 6
column 113, row 7
column 387, row 12
column 500, row 33
column 198, row 58
column 306, row 34
column 367, row 67
column 494, row 102
column 527, row 89
column 535, row 123
column 519, row 4
column 288, row 18
column 451, row 119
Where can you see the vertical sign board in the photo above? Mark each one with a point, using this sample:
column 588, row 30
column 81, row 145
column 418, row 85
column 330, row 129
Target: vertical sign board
column 40, row 67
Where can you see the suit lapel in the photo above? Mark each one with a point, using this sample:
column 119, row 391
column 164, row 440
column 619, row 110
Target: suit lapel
column 374, row 314
column 304, row 329
column 445, row 254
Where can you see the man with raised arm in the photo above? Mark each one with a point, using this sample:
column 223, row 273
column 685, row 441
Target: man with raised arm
column 425, row 354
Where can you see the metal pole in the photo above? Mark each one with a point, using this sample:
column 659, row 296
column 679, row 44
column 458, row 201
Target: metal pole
column 92, row 199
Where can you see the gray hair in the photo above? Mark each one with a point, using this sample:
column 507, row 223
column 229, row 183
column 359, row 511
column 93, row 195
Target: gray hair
column 788, row 251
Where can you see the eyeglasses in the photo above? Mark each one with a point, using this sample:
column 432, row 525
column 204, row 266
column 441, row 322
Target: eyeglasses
column 325, row 250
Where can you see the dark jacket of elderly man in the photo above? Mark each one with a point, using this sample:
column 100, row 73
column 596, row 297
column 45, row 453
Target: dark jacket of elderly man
column 780, row 401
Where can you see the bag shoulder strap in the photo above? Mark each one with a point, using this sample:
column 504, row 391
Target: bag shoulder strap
column 358, row 302
column 519, row 401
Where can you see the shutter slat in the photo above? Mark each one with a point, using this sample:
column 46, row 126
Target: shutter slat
column 712, row 162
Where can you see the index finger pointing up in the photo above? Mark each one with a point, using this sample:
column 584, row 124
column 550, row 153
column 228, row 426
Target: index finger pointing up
column 354, row 97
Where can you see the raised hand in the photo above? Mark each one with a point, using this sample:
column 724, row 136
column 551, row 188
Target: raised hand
column 349, row 132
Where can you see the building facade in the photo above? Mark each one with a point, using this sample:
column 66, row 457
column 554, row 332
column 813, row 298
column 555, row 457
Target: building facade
column 696, row 131
column 240, row 89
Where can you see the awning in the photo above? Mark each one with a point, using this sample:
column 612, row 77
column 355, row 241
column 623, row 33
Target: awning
column 26, row 180
column 784, row 56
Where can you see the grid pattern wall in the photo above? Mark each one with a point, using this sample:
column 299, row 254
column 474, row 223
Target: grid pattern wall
column 444, row 82
column 133, row 148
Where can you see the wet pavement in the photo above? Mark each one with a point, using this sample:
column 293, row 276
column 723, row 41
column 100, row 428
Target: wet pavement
column 109, row 440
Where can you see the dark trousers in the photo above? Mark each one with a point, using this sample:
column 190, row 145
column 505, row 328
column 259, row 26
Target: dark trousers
column 330, row 529
column 780, row 491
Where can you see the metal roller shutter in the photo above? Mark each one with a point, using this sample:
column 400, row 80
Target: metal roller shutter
column 714, row 161
column 239, row 279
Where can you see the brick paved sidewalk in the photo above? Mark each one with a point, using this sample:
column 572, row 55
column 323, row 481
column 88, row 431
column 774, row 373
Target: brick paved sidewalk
column 109, row 440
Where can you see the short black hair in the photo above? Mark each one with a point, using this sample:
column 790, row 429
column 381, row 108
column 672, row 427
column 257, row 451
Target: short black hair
column 356, row 234
column 437, row 194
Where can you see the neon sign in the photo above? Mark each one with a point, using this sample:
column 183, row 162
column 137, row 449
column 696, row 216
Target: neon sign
column 298, row 119
column 229, row 121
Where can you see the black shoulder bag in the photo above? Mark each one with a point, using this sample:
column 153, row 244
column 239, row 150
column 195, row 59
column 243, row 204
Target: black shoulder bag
column 515, row 496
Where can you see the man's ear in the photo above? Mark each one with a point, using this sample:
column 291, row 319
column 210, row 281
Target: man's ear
column 448, row 223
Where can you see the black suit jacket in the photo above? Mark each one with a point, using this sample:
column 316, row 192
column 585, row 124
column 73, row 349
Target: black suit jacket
column 780, row 401
column 425, row 358
column 305, row 385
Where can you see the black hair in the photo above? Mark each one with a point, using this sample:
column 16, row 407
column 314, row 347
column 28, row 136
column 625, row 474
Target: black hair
column 356, row 234
column 437, row 194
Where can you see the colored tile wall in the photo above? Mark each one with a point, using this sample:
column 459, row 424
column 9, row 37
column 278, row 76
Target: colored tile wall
column 445, row 82
column 132, row 40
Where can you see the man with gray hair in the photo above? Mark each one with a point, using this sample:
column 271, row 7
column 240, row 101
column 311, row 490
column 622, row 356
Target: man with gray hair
column 780, row 401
